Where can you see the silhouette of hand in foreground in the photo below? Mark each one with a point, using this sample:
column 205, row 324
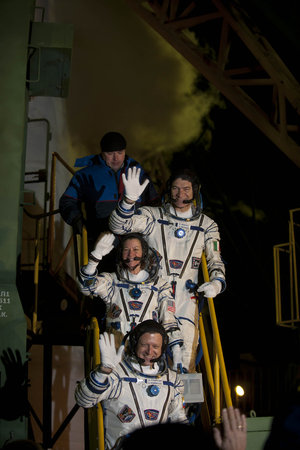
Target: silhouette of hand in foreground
column 13, row 395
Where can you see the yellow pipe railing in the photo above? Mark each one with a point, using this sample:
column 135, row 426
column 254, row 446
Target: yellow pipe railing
column 96, row 362
column 293, row 262
column 287, row 266
column 206, row 358
column 82, row 248
column 219, row 364
column 36, row 275
column 217, row 398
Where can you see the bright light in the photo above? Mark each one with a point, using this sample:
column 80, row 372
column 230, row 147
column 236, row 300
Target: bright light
column 239, row 391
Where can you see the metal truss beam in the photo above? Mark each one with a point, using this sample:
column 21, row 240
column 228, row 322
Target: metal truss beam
column 240, row 62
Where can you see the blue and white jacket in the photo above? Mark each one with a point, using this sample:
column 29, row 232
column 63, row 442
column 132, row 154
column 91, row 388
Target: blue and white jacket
column 100, row 189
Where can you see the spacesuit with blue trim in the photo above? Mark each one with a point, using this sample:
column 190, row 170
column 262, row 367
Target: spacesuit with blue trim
column 131, row 298
column 180, row 239
column 133, row 395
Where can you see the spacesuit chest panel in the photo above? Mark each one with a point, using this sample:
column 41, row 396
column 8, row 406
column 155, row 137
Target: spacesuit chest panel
column 126, row 310
column 143, row 402
column 182, row 243
column 123, row 416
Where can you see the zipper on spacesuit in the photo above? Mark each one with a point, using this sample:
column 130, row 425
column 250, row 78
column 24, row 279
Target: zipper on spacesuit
column 133, row 322
column 173, row 285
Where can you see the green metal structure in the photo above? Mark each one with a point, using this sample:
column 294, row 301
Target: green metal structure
column 15, row 17
column 29, row 50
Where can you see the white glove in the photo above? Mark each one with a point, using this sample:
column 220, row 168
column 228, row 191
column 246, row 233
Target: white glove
column 177, row 356
column 133, row 188
column 103, row 246
column 109, row 356
column 211, row 289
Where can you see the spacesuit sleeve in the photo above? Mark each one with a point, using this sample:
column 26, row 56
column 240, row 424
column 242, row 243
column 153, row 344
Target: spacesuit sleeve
column 176, row 409
column 167, row 308
column 97, row 387
column 215, row 265
column 98, row 285
column 123, row 220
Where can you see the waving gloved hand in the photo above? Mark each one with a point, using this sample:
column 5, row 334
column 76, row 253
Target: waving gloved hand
column 103, row 246
column 109, row 356
column 133, row 188
column 210, row 289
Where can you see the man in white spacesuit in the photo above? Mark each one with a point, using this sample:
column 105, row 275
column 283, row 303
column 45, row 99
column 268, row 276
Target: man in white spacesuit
column 180, row 232
column 136, row 390
column 133, row 293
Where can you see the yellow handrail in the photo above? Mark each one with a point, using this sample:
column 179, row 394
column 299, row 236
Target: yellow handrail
column 285, row 263
column 82, row 249
column 36, row 275
column 293, row 262
column 207, row 364
column 217, row 401
column 84, row 246
column 218, row 347
column 96, row 359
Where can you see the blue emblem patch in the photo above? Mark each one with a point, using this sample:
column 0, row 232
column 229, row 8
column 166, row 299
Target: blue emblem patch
column 136, row 306
column 151, row 414
column 175, row 263
column 180, row 233
column 126, row 414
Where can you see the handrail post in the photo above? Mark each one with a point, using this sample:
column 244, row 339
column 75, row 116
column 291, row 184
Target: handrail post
column 206, row 357
column 36, row 274
column 217, row 409
column 84, row 245
column 96, row 360
column 216, row 336
column 293, row 264
column 52, row 204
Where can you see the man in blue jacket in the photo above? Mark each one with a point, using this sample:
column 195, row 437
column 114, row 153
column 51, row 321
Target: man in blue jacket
column 99, row 186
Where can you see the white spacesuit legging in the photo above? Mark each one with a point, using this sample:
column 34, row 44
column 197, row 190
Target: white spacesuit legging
column 187, row 316
column 191, row 339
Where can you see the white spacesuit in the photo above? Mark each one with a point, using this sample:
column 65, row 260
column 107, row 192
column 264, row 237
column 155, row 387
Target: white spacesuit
column 132, row 393
column 130, row 297
column 180, row 239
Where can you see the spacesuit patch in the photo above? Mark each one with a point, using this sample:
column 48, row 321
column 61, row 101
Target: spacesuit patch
column 175, row 263
column 171, row 305
column 114, row 311
column 195, row 262
column 136, row 306
column 151, row 414
column 126, row 414
column 216, row 246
